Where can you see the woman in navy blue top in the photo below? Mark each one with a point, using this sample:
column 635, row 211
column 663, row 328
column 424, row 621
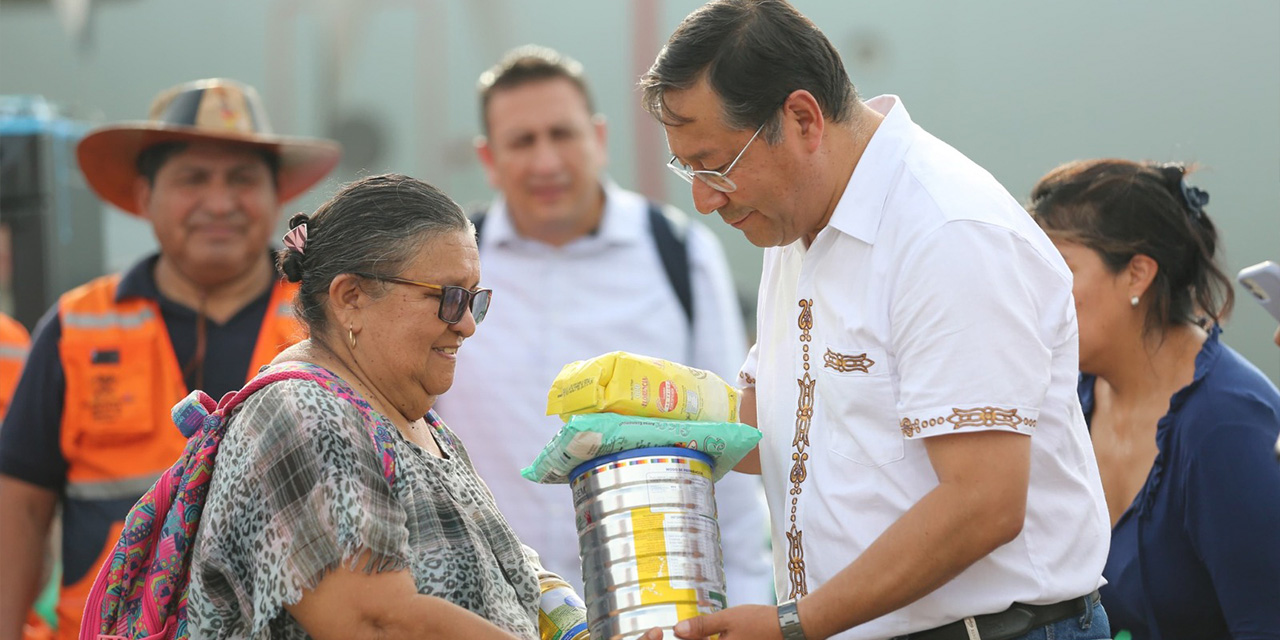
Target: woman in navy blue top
column 1183, row 427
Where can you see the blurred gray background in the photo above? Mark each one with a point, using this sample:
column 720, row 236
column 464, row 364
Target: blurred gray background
column 1018, row 86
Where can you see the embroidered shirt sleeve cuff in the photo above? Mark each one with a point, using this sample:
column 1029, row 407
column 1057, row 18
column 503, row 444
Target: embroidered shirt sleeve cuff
column 959, row 419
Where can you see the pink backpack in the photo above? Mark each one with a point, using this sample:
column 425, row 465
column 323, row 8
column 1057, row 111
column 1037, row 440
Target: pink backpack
column 141, row 592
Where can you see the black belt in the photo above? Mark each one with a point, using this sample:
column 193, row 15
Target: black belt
column 1010, row 623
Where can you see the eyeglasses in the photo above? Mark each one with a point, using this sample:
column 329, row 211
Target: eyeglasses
column 717, row 180
column 454, row 301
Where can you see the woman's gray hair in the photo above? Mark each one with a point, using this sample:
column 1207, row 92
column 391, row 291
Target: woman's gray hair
column 372, row 225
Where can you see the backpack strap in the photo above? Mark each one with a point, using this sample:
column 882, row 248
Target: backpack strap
column 190, row 412
column 670, row 228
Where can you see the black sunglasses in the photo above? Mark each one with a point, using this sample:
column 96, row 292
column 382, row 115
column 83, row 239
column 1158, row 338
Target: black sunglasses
column 454, row 301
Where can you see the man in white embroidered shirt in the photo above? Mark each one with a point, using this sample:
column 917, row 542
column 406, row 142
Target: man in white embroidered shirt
column 924, row 455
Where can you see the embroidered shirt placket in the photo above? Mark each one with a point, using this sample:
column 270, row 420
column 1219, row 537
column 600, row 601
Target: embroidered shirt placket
column 804, row 416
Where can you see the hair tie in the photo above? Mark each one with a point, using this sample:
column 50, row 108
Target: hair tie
column 296, row 239
column 1196, row 198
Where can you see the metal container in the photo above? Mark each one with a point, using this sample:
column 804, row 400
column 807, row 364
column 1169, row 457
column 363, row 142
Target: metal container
column 649, row 540
column 560, row 612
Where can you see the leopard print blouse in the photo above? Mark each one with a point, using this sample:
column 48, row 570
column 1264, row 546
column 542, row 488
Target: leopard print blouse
column 298, row 491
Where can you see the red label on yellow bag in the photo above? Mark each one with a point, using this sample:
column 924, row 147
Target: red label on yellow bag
column 635, row 385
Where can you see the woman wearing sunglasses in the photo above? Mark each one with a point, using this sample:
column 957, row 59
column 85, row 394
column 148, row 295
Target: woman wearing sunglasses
column 302, row 534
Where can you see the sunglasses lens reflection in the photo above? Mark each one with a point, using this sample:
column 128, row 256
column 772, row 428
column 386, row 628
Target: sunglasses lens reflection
column 480, row 305
column 453, row 304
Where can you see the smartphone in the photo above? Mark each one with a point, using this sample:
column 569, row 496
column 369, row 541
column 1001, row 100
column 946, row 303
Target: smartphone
column 1262, row 281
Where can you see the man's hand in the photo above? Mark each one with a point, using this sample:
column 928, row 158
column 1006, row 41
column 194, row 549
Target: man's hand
column 746, row 622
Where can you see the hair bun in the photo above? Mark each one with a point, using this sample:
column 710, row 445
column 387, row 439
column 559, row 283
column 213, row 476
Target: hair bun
column 289, row 264
column 1172, row 173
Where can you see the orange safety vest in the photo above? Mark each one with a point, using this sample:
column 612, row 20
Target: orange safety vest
column 14, row 343
column 122, row 379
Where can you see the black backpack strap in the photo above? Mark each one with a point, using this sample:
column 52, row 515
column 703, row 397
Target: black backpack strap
column 670, row 227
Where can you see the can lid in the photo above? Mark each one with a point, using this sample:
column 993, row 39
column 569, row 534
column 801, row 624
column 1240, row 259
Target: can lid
column 640, row 453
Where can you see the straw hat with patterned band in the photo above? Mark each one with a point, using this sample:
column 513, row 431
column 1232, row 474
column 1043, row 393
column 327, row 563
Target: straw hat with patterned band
column 213, row 110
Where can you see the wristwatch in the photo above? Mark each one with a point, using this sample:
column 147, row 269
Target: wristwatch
column 789, row 619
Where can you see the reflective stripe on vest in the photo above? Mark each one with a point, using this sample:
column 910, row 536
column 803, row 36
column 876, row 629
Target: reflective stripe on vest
column 106, row 319
column 112, row 489
column 13, row 352
column 14, row 343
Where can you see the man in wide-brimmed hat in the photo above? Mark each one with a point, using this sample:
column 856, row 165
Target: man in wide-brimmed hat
column 89, row 424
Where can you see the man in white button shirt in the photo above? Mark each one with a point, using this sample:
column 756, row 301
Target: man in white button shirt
column 581, row 274
column 925, row 458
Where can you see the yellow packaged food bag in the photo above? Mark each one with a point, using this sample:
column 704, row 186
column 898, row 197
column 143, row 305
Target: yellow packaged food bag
column 635, row 385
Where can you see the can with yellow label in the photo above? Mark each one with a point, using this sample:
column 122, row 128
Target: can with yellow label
column 649, row 540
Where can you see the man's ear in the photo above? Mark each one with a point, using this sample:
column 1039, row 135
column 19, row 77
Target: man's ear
column 600, row 127
column 801, row 111
column 1141, row 272
column 142, row 196
column 485, row 153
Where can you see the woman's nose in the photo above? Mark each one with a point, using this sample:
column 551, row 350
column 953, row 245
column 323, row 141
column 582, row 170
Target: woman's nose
column 466, row 327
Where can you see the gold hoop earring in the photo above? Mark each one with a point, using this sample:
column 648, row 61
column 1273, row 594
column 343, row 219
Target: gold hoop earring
column 351, row 337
